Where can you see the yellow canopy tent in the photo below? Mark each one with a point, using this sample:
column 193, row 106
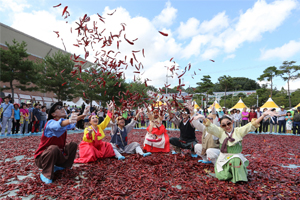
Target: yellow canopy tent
column 195, row 105
column 239, row 105
column 158, row 103
column 217, row 106
column 296, row 106
column 270, row 104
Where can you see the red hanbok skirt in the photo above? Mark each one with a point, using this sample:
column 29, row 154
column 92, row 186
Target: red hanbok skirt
column 159, row 131
column 90, row 152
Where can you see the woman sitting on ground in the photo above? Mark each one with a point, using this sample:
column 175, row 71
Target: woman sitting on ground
column 156, row 139
column 92, row 147
column 231, row 164
column 119, row 138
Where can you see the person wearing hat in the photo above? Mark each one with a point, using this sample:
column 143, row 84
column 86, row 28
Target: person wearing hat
column 7, row 115
column 156, row 139
column 221, row 112
column 119, row 139
column 281, row 119
column 187, row 139
column 296, row 123
column 24, row 118
column 16, row 120
column 92, row 148
column 53, row 153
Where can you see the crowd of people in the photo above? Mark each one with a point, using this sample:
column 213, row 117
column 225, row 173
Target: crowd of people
column 221, row 144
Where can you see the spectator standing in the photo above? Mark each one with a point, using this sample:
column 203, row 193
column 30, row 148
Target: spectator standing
column 237, row 118
column 7, row 115
column 142, row 116
column 296, row 123
column 205, row 112
column 16, row 121
column 169, row 123
column 281, row 119
column 266, row 122
column 24, row 115
column 36, row 118
column 258, row 114
column 30, row 110
column 289, row 122
column 100, row 116
column 245, row 117
column 252, row 114
column 146, row 118
column 273, row 122
column 164, row 120
column 43, row 118
column 125, row 116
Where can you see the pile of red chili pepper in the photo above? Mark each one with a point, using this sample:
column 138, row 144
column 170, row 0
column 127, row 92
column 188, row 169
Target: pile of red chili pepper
column 159, row 176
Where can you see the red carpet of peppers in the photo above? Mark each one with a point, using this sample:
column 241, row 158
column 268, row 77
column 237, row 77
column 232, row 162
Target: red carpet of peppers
column 160, row 176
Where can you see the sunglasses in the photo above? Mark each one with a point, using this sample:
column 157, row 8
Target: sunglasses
column 184, row 112
column 228, row 124
column 58, row 108
column 210, row 118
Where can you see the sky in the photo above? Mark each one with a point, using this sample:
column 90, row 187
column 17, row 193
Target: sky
column 243, row 37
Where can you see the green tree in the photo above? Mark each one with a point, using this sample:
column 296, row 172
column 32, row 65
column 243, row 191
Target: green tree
column 139, row 87
column 295, row 98
column 98, row 86
column 226, row 84
column 269, row 74
column 206, row 86
column 14, row 65
column 250, row 100
column 58, row 76
column 289, row 72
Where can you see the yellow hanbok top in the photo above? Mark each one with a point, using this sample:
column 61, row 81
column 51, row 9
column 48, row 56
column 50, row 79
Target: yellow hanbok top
column 101, row 127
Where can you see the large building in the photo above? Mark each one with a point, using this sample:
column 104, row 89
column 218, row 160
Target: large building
column 38, row 50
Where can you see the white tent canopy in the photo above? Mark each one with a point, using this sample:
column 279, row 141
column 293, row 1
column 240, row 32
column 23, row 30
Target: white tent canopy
column 69, row 103
column 79, row 102
column 94, row 103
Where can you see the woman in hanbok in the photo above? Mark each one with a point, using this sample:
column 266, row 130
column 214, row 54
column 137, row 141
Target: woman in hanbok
column 231, row 164
column 92, row 147
column 156, row 139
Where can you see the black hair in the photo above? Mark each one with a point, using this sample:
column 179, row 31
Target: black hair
column 43, row 107
column 225, row 117
column 186, row 110
column 288, row 112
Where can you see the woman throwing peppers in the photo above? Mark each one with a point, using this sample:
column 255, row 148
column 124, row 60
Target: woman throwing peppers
column 92, row 147
column 231, row 164
column 156, row 139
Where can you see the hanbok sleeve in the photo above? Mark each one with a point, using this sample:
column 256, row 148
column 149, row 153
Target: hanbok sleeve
column 244, row 130
column 213, row 129
column 105, row 122
column 198, row 125
column 131, row 125
column 86, row 137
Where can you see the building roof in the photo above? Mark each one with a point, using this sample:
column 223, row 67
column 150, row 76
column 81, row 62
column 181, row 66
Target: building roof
column 35, row 47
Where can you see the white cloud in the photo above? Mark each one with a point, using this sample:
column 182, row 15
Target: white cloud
column 217, row 23
column 285, row 51
column 294, row 85
column 210, row 53
column 230, row 56
column 188, row 29
column 15, row 6
column 261, row 18
column 166, row 17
